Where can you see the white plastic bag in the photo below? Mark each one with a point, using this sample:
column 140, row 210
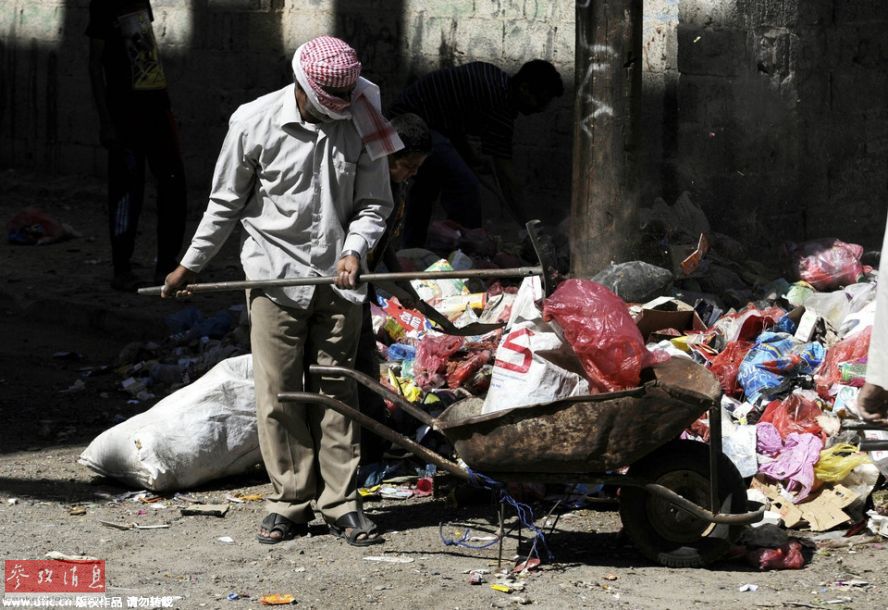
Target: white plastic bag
column 204, row 431
column 533, row 364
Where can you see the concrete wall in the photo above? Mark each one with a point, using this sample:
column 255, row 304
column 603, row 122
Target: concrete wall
column 772, row 113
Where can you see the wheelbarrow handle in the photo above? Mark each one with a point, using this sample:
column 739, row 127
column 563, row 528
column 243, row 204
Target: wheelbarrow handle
column 378, row 388
column 378, row 428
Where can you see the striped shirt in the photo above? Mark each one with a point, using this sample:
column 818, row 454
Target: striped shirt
column 472, row 99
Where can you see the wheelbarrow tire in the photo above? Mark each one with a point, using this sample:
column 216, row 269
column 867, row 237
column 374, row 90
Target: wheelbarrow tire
column 667, row 535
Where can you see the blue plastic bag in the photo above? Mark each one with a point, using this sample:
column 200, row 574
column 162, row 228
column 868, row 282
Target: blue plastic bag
column 773, row 358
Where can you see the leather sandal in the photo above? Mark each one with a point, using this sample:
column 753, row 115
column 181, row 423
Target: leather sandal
column 289, row 530
column 363, row 532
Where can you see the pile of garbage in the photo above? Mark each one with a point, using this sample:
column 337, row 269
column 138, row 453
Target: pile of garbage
column 197, row 342
column 790, row 354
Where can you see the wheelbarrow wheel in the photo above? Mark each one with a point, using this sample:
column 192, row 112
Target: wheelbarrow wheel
column 664, row 533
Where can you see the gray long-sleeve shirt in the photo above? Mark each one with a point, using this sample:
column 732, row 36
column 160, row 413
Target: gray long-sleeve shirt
column 303, row 192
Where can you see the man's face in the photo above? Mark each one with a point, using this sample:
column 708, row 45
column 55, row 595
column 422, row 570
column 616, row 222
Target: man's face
column 307, row 109
column 405, row 167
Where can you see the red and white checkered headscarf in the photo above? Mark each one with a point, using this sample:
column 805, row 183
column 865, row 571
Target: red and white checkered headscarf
column 330, row 62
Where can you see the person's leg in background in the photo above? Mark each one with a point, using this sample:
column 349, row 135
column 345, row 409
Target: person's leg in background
column 164, row 156
column 126, row 188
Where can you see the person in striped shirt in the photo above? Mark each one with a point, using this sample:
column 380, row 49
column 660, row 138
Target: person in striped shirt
column 478, row 100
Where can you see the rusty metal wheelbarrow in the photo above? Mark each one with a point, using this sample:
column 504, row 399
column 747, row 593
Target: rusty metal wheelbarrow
column 682, row 503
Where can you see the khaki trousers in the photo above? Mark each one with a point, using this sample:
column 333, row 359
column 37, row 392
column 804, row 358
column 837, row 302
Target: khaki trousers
column 310, row 452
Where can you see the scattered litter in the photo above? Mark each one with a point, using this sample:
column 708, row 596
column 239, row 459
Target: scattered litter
column 120, row 526
column 159, row 526
column 526, row 566
column 277, row 599
column 210, row 510
column 12, row 501
column 748, row 588
column 77, row 386
column 395, row 493
column 226, row 540
column 63, row 557
column 76, row 511
column 233, row 597
column 877, row 524
column 389, row 559
column 501, row 588
column 249, row 497
column 853, row 583
column 610, row 576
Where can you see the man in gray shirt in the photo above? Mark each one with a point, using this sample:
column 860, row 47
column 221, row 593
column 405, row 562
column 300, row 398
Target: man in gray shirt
column 304, row 171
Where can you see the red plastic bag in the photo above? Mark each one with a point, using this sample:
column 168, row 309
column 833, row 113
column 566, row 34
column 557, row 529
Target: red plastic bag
column 852, row 349
column 467, row 369
column 826, row 263
column 726, row 365
column 795, row 413
column 597, row 325
column 786, row 557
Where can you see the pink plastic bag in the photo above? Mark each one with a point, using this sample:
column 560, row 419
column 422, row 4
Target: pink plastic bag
column 826, row 263
column 431, row 360
column 597, row 325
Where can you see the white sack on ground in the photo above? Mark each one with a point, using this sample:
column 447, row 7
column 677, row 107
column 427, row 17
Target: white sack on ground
column 202, row 432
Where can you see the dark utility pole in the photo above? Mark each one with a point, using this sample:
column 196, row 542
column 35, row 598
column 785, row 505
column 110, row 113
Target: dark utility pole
column 607, row 112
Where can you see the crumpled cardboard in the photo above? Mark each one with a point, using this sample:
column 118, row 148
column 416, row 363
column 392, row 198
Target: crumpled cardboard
column 822, row 513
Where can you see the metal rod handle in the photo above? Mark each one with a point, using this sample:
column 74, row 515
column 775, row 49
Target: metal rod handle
column 377, row 428
column 364, row 277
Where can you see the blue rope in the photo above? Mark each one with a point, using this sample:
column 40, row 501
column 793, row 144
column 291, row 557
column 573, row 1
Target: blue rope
column 523, row 512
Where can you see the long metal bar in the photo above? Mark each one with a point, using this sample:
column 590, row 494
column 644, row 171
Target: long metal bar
column 209, row 287
column 377, row 428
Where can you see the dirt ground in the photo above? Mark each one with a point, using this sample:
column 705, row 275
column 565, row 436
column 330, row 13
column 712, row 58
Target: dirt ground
column 56, row 299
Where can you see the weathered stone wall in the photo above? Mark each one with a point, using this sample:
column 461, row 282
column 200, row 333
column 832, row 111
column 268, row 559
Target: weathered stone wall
column 771, row 113
column 783, row 117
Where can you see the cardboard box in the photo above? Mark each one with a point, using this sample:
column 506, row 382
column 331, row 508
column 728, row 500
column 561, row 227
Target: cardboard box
column 666, row 312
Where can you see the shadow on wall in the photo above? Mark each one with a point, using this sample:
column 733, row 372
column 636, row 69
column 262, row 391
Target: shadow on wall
column 218, row 54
